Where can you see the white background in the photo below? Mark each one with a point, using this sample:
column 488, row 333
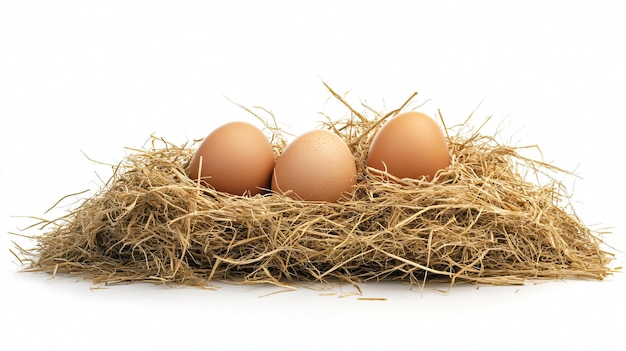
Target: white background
column 93, row 77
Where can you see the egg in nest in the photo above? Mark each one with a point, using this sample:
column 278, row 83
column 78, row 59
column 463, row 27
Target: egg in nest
column 409, row 145
column 316, row 166
column 236, row 158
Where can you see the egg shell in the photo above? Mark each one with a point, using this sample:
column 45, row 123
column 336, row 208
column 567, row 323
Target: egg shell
column 409, row 145
column 316, row 166
column 236, row 158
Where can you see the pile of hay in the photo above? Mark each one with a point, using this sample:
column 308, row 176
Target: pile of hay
column 480, row 221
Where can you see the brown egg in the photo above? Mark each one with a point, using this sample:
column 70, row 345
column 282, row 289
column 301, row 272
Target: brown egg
column 236, row 158
column 410, row 145
column 316, row 166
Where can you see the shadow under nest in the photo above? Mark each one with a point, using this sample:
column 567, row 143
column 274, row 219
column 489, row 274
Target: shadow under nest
column 480, row 221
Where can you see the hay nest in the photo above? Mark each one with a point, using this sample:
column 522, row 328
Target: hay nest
column 480, row 221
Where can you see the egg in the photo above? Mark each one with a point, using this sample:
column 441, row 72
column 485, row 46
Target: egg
column 236, row 158
column 315, row 166
column 409, row 145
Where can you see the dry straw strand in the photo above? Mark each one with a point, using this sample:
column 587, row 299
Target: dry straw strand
column 480, row 221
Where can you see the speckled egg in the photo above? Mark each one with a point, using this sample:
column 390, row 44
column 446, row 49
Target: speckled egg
column 316, row 166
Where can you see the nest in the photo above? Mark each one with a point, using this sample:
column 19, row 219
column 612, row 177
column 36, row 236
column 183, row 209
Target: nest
column 482, row 220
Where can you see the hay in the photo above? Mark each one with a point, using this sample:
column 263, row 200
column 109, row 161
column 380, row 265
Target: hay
column 479, row 221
